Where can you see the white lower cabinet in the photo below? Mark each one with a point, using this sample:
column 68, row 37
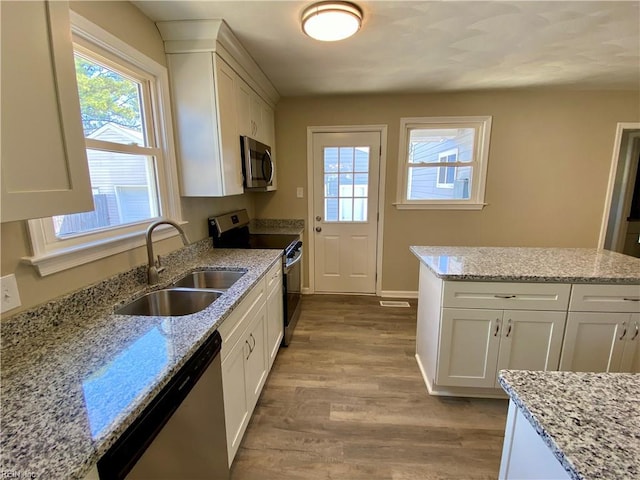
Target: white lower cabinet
column 475, row 344
column 524, row 453
column 247, row 352
column 601, row 342
column 468, row 331
column 275, row 318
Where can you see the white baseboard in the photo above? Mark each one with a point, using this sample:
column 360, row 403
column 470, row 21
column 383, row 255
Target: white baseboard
column 383, row 293
column 398, row 294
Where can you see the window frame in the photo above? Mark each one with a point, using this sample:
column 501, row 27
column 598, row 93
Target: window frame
column 50, row 254
column 476, row 201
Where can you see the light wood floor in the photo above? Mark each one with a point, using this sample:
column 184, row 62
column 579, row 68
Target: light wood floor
column 346, row 401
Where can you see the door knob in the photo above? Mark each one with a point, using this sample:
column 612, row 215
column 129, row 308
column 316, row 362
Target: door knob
column 318, row 218
column 318, row 229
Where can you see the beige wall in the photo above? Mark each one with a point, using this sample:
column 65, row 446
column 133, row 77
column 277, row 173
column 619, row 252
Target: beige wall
column 548, row 169
column 129, row 24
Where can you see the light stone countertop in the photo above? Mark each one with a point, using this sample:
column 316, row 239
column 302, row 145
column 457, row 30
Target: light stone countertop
column 520, row 264
column 589, row 421
column 276, row 226
column 60, row 412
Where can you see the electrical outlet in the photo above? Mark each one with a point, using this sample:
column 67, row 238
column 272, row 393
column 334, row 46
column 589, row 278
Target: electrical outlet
column 9, row 295
column 300, row 192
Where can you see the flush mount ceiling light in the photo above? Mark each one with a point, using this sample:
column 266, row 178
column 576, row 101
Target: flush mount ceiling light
column 331, row 21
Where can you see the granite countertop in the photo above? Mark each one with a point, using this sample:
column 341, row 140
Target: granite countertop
column 276, row 226
column 68, row 391
column 590, row 421
column 519, row 264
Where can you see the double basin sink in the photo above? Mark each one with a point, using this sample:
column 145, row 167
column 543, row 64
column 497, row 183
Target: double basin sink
column 190, row 294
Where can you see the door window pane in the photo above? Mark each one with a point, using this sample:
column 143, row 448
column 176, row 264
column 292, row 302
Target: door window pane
column 362, row 159
column 346, row 159
column 346, row 209
column 361, row 185
column 346, row 185
column 331, row 185
column 341, row 181
column 330, row 159
column 331, row 209
column 359, row 209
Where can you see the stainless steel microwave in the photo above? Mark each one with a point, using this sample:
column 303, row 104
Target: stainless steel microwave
column 257, row 164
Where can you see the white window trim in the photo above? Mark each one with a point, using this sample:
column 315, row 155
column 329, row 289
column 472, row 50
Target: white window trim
column 481, row 156
column 49, row 258
column 440, row 157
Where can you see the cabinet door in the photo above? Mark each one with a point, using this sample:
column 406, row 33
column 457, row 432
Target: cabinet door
column 44, row 162
column 468, row 350
column 275, row 319
column 530, row 340
column 236, row 405
column 631, row 352
column 226, row 80
column 243, row 99
column 256, row 358
column 593, row 342
column 256, row 117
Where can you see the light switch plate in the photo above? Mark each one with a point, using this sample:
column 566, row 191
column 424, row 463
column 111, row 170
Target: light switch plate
column 9, row 295
column 300, row 192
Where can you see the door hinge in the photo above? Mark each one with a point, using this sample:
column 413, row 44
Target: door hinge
column 380, row 150
column 378, row 217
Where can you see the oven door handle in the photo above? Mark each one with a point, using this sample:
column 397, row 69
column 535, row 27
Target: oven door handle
column 289, row 264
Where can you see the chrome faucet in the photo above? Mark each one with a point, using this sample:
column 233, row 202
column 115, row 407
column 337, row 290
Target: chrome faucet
column 154, row 265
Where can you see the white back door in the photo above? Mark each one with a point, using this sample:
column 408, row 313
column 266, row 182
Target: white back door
column 345, row 211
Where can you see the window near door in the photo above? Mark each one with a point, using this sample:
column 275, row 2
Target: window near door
column 124, row 109
column 443, row 162
column 346, row 184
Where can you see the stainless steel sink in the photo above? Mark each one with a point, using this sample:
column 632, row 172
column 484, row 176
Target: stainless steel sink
column 213, row 279
column 170, row 302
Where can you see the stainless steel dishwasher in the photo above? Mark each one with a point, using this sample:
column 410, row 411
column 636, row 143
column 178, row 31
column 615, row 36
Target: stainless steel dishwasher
column 181, row 434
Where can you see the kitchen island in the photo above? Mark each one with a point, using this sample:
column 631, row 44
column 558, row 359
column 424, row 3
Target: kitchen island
column 484, row 309
column 65, row 398
column 571, row 425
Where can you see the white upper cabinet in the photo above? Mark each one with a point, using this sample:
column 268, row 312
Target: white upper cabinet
column 204, row 106
column 44, row 163
column 219, row 94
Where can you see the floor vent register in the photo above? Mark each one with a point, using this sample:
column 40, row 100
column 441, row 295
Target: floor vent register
column 394, row 303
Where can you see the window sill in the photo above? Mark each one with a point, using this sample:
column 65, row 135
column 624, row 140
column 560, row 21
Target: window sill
column 439, row 206
column 54, row 261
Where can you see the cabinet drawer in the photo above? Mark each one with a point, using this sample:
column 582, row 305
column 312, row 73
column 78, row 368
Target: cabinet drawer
column 274, row 277
column 237, row 322
column 605, row 298
column 514, row 296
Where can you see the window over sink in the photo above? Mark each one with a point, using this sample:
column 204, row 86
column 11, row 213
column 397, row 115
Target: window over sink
column 124, row 106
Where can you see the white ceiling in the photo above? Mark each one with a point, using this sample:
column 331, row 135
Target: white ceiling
column 420, row 46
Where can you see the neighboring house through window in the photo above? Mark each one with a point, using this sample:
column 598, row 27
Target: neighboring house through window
column 125, row 115
column 443, row 162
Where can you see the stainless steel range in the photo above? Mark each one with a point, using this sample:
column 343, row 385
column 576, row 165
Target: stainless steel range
column 231, row 230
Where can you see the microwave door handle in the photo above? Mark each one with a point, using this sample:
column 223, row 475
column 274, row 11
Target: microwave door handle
column 267, row 158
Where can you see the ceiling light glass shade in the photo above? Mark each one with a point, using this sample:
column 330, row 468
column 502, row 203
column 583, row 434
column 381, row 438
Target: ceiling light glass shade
column 331, row 21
